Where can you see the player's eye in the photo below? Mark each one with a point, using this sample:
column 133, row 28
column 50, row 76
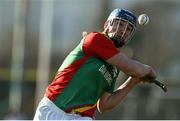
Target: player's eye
column 116, row 21
column 129, row 28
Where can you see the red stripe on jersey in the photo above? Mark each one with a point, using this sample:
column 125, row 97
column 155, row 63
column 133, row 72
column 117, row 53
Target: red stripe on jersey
column 62, row 79
column 89, row 113
column 97, row 44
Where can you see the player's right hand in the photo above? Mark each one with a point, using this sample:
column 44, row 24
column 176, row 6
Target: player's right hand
column 149, row 77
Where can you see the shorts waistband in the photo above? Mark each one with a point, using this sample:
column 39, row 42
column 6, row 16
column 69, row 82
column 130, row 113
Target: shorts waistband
column 49, row 103
column 78, row 111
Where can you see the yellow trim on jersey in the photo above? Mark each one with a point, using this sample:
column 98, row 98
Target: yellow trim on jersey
column 82, row 109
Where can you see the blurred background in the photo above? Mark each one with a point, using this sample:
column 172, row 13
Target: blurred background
column 36, row 36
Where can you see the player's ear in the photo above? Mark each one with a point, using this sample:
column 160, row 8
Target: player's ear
column 105, row 24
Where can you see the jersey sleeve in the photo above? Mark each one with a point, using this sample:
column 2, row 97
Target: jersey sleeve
column 96, row 44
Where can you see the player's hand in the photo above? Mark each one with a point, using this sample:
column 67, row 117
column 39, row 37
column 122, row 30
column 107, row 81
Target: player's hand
column 150, row 77
column 146, row 79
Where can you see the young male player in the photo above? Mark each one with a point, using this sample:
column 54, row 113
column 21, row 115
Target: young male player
column 85, row 81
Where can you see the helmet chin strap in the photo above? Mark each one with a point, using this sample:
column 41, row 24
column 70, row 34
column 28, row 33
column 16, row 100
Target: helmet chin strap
column 117, row 42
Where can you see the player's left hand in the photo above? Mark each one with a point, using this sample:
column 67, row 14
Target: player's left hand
column 147, row 79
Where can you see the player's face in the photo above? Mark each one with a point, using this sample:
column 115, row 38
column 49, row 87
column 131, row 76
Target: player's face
column 120, row 29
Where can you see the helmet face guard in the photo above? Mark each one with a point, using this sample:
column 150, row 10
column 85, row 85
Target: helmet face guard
column 122, row 24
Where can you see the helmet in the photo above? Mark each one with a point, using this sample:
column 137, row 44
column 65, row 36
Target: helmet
column 122, row 24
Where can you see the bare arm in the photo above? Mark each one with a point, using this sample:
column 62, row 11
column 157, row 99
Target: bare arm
column 131, row 67
column 134, row 69
column 109, row 101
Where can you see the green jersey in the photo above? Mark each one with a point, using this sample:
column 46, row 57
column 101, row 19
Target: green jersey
column 84, row 75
